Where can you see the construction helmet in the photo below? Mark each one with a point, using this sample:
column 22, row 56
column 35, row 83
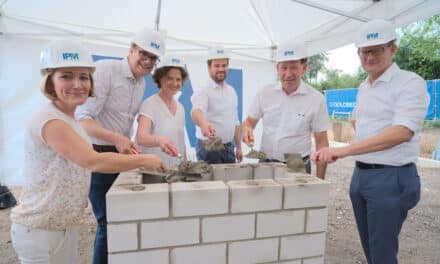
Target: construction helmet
column 171, row 61
column 218, row 53
column 375, row 32
column 62, row 53
column 291, row 51
column 150, row 40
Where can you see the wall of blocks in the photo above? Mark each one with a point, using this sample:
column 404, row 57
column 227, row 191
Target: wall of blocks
column 247, row 214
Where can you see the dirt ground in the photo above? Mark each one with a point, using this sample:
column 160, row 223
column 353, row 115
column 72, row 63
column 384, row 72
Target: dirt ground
column 419, row 239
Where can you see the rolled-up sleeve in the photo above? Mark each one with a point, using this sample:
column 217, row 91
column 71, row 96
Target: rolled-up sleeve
column 94, row 105
column 199, row 100
column 321, row 121
column 411, row 105
column 255, row 110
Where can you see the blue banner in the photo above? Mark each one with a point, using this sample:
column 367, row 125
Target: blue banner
column 341, row 102
column 431, row 89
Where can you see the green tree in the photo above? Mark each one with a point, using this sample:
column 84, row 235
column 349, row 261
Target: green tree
column 419, row 48
column 315, row 64
column 335, row 79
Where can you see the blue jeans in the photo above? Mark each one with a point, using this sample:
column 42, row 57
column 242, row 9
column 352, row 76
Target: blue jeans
column 100, row 184
column 212, row 157
column 381, row 199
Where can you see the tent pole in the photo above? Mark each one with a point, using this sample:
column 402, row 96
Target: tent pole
column 3, row 3
column 157, row 22
column 268, row 33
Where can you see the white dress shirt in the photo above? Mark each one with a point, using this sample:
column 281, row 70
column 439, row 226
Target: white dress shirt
column 289, row 120
column 219, row 104
column 118, row 98
column 397, row 97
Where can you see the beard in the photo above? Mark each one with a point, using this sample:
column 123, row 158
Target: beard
column 219, row 77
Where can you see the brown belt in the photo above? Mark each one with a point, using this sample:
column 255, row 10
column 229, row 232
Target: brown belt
column 105, row 148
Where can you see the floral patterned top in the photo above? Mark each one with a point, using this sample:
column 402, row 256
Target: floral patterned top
column 55, row 191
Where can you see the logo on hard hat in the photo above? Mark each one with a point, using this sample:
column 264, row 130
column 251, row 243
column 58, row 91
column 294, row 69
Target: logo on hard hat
column 154, row 45
column 374, row 35
column 177, row 61
column 70, row 56
column 289, row 53
column 220, row 51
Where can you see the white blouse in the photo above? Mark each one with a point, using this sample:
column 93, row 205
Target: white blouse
column 166, row 124
column 55, row 191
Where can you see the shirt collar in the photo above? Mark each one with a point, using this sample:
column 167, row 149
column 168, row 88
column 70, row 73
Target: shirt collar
column 389, row 73
column 386, row 76
column 216, row 85
column 302, row 89
column 126, row 70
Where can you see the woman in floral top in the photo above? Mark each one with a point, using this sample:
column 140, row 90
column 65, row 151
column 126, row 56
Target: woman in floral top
column 59, row 158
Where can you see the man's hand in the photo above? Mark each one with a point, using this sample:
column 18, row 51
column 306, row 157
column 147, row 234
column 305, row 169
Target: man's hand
column 328, row 155
column 239, row 154
column 125, row 146
column 208, row 130
column 247, row 135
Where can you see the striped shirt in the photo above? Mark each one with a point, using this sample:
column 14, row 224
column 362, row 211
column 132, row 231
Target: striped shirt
column 118, row 98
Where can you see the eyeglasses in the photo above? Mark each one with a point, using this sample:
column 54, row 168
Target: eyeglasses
column 147, row 55
column 373, row 51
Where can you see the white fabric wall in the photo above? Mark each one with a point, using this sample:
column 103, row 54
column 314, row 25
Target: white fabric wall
column 20, row 95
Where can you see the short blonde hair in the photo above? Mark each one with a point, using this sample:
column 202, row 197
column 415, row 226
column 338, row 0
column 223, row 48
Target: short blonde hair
column 48, row 90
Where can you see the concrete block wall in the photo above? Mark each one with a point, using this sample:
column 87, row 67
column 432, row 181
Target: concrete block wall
column 249, row 219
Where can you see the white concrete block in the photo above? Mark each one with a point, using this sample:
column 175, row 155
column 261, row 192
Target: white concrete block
column 169, row 233
column 199, row 198
column 212, row 254
column 263, row 171
column 318, row 260
column 228, row 172
column 300, row 194
column 140, row 257
column 316, row 220
column 280, row 223
column 279, row 170
column 123, row 204
column 254, row 251
column 287, row 262
column 255, row 195
column 227, row 228
column 302, row 246
column 122, row 237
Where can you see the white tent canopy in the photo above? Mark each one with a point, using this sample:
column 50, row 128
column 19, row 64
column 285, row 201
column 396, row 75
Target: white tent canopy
column 251, row 28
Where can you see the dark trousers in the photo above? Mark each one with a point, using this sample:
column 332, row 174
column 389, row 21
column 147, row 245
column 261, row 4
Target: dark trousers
column 100, row 184
column 212, row 157
column 381, row 198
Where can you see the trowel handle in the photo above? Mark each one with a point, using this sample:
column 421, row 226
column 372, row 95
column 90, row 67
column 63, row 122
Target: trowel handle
column 334, row 158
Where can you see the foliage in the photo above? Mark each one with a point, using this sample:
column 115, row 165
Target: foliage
column 315, row 64
column 432, row 124
column 335, row 79
column 419, row 48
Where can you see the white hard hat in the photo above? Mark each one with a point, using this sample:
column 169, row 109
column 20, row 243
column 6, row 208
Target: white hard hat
column 65, row 53
column 291, row 51
column 375, row 32
column 150, row 40
column 217, row 53
column 171, row 61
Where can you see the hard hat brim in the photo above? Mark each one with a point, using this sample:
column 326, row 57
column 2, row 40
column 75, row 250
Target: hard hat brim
column 374, row 42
